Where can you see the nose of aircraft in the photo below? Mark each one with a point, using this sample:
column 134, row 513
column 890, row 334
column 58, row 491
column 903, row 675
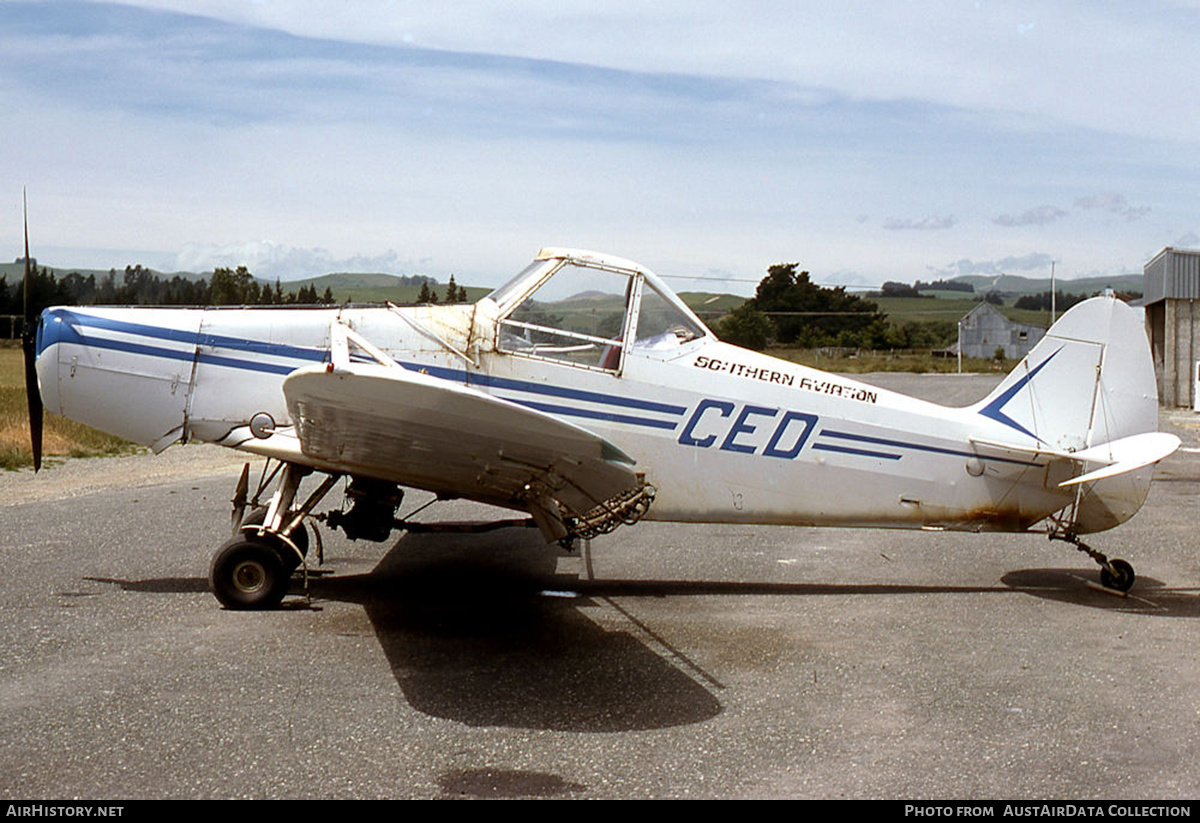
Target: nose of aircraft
column 53, row 326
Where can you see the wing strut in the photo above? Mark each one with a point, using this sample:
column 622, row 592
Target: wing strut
column 340, row 338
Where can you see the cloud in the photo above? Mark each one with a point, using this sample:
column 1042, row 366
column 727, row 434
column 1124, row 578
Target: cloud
column 1037, row 216
column 269, row 260
column 927, row 223
column 973, row 55
column 1033, row 261
column 846, row 277
column 1110, row 201
column 1114, row 204
column 1188, row 239
column 471, row 135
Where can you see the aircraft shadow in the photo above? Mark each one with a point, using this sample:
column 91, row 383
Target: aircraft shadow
column 157, row 585
column 1148, row 596
column 481, row 630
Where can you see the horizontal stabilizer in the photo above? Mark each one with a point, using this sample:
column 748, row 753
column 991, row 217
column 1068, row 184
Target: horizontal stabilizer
column 1123, row 455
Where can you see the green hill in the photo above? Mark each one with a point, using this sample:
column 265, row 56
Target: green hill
column 1014, row 284
column 710, row 307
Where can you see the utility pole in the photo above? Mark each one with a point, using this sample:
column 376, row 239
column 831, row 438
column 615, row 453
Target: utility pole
column 960, row 345
column 1053, row 294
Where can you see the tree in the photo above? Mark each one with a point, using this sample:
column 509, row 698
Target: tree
column 44, row 291
column 944, row 285
column 1041, row 301
column 893, row 289
column 425, row 295
column 806, row 314
column 233, row 288
column 746, row 326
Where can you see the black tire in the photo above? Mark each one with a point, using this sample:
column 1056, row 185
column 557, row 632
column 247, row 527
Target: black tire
column 1117, row 575
column 248, row 574
column 299, row 536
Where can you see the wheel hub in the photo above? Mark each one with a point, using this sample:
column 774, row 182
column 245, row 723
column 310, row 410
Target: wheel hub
column 249, row 576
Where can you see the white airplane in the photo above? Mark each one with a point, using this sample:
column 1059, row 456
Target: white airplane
column 586, row 394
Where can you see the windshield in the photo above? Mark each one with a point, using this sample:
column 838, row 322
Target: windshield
column 502, row 294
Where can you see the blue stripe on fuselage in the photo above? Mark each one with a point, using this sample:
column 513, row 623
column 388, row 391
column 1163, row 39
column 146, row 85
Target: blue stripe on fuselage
column 76, row 320
column 68, row 332
column 68, row 325
column 883, row 441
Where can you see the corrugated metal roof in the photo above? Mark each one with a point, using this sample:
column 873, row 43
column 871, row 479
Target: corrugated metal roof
column 1173, row 273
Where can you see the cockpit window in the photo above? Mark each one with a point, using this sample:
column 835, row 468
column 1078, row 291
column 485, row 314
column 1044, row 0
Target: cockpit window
column 660, row 325
column 577, row 316
column 501, row 295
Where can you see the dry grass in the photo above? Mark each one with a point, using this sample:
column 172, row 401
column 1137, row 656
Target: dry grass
column 62, row 437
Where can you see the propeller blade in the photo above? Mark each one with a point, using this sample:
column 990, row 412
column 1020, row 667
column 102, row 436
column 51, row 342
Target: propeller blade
column 29, row 344
column 29, row 347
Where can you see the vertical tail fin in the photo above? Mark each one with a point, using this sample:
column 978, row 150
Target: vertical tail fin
column 1088, row 382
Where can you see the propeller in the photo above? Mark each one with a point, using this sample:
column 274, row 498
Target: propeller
column 29, row 329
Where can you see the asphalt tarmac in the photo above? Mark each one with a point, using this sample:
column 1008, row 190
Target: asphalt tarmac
column 666, row 661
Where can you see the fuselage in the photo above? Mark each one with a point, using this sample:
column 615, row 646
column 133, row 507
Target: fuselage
column 723, row 433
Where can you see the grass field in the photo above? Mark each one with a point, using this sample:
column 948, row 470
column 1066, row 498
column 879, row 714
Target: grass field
column 914, row 362
column 62, row 437
column 900, row 310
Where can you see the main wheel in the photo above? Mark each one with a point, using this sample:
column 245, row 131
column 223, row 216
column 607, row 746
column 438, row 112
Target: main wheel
column 248, row 574
column 1117, row 575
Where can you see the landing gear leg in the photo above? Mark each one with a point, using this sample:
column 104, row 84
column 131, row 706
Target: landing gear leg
column 253, row 570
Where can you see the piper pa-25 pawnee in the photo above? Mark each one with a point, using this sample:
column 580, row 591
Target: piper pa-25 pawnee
column 588, row 395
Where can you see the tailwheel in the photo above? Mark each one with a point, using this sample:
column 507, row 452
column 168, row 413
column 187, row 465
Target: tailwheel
column 249, row 573
column 1117, row 574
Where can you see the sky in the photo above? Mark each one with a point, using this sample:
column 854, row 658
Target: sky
column 867, row 141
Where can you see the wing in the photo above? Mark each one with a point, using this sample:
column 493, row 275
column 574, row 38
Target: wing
column 388, row 422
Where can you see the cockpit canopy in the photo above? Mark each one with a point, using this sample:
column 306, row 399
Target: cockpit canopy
column 581, row 308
